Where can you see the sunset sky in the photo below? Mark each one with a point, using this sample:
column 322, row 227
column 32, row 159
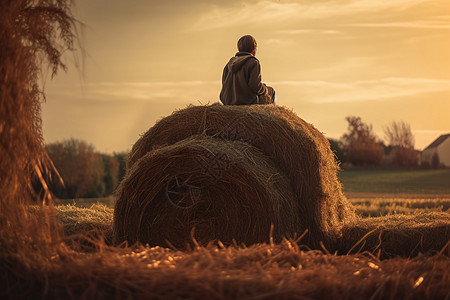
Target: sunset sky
column 382, row 60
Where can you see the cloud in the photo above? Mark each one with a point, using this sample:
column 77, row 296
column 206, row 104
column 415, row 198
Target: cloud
column 310, row 31
column 246, row 13
column 276, row 12
column 369, row 90
column 430, row 132
column 279, row 42
column 204, row 91
column 169, row 92
column 413, row 25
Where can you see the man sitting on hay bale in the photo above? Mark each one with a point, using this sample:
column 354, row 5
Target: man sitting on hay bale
column 241, row 79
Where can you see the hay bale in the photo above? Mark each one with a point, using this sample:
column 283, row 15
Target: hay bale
column 398, row 235
column 298, row 149
column 85, row 228
column 85, row 220
column 226, row 190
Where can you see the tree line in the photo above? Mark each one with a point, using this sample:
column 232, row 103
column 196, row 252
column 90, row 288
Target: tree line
column 359, row 146
column 82, row 172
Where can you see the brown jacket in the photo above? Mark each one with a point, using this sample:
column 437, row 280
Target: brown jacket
column 241, row 81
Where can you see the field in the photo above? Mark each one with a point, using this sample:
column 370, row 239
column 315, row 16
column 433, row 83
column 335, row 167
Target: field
column 397, row 202
column 372, row 192
column 383, row 199
column 401, row 252
column 382, row 192
column 403, row 183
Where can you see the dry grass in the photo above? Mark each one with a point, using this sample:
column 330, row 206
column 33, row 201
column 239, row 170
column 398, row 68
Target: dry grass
column 264, row 271
column 375, row 207
column 82, row 220
column 30, row 32
column 387, row 236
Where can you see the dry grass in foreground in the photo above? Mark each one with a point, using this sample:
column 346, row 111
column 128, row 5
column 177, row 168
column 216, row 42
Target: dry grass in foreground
column 261, row 271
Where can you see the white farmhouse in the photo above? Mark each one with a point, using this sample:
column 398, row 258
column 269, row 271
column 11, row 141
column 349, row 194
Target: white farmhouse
column 438, row 152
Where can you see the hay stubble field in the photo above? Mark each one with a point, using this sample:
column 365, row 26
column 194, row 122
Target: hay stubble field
column 382, row 192
column 380, row 212
column 372, row 192
column 372, row 268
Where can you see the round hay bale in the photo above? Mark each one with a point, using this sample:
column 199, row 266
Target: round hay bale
column 207, row 188
column 298, row 149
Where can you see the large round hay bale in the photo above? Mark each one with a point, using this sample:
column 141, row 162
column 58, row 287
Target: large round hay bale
column 206, row 187
column 298, row 149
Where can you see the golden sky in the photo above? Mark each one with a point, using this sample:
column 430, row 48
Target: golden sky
column 382, row 60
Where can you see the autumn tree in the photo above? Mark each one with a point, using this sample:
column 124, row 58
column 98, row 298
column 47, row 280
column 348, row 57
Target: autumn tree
column 399, row 136
column 111, row 173
column 80, row 167
column 121, row 158
column 360, row 143
column 338, row 149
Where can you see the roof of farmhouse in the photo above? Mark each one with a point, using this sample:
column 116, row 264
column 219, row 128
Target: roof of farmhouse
column 438, row 141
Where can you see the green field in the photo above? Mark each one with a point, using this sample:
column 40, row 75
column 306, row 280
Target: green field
column 408, row 182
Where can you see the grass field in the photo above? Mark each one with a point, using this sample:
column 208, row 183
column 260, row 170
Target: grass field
column 410, row 183
column 372, row 192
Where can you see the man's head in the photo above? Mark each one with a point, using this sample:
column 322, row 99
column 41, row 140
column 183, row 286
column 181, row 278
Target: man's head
column 247, row 43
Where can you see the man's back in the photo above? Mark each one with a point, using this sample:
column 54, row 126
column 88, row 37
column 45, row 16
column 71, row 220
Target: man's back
column 241, row 80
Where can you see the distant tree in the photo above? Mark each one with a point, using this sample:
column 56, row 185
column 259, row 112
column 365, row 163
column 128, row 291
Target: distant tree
column 360, row 143
column 338, row 149
column 80, row 167
column 399, row 134
column 111, row 173
column 121, row 158
column 401, row 139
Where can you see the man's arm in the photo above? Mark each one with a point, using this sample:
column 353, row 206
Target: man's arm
column 224, row 75
column 255, row 83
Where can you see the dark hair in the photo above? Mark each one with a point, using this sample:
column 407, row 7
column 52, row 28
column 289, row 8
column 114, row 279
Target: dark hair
column 247, row 43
